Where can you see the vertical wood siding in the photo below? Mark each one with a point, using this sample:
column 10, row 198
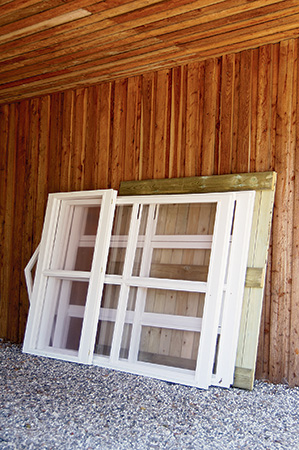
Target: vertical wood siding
column 236, row 113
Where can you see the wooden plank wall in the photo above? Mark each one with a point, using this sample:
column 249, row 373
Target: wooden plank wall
column 236, row 113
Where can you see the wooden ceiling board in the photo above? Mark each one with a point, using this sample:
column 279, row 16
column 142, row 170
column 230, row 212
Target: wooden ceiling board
column 51, row 13
column 98, row 23
column 44, row 25
column 225, row 20
column 92, row 53
column 73, row 45
column 28, row 9
column 64, row 35
column 98, row 40
column 55, row 45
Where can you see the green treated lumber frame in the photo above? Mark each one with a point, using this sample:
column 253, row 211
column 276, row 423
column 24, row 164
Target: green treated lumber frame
column 196, row 185
column 264, row 184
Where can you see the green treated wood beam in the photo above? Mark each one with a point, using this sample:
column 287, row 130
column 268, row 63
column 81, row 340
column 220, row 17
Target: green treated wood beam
column 244, row 378
column 214, row 183
column 255, row 277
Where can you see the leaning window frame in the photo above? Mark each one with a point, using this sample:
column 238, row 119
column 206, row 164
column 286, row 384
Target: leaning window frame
column 37, row 296
column 228, row 320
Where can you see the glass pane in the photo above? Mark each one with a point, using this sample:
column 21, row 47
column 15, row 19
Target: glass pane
column 69, row 298
column 174, row 348
column 33, row 272
column 110, row 296
column 74, row 246
column 74, row 333
column 92, row 220
column 132, row 299
column 84, row 258
column 119, row 239
column 180, row 264
column 186, row 219
column 104, row 338
column 216, row 354
column 125, row 342
column 122, row 218
column 137, row 262
column 189, row 304
column 144, row 218
column 173, row 255
column 116, row 259
column 78, row 293
column 127, row 330
column 109, row 304
column 140, row 242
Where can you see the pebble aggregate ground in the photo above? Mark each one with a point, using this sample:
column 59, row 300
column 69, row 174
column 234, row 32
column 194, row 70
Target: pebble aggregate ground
column 49, row 404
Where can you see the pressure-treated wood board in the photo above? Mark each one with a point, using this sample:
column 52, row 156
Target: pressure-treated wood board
column 253, row 297
column 264, row 184
column 219, row 183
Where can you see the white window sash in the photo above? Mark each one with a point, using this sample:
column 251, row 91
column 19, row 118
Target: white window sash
column 223, row 289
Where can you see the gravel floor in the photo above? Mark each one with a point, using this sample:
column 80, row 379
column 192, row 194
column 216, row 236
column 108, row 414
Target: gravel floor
column 48, row 404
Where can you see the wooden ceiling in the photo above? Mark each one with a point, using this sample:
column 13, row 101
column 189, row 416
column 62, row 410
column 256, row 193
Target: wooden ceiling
column 53, row 45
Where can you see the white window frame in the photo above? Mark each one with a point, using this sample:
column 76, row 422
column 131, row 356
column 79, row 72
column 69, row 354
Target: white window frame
column 223, row 289
column 56, row 207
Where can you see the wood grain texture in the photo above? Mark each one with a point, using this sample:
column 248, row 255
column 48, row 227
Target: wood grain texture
column 54, row 45
column 236, row 111
column 255, row 277
column 10, row 215
column 4, row 127
column 220, row 183
column 281, row 280
column 194, row 117
column 226, row 120
column 16, row 280
column 242, row 114
column 252, row 301
column 294, row 319
column 103, row 126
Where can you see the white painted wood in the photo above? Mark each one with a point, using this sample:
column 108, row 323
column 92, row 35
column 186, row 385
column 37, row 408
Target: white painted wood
column 28, row 271
column 175, row 375
column 76, row 311
column 50, row 265
column 141, row 293
column 175, row 322
column 87, row 241
column 54, row 321
column 194, row 238
column 62, row 319
column 81, row 197
column 85, row 202
column 96, row 283
column 235, row 288
column 71, row 275
column 164, row 283
column 40, row 284
column 60, row 241
column 63, row 355
column 213, row 300
column 172, row 199
column 156, row 283
column 163, row 241
column 124, row 291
